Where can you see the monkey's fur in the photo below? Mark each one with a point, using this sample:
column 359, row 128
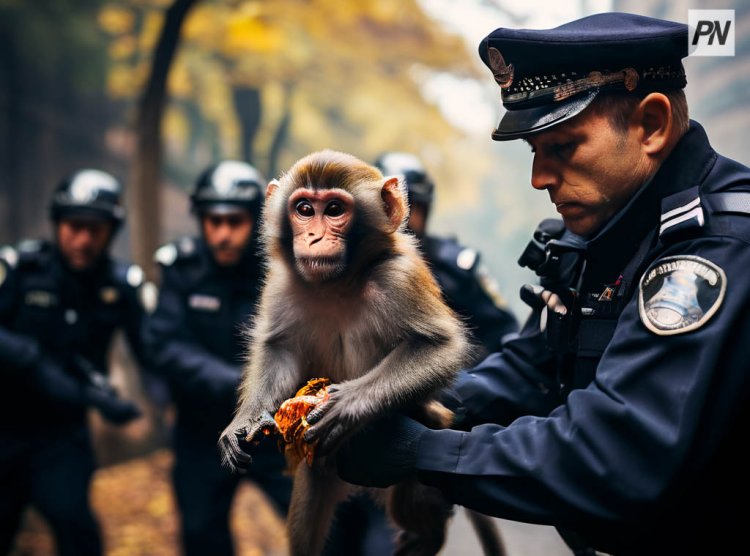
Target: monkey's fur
column 376, row 325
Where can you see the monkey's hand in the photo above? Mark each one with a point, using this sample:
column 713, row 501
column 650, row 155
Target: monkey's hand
column 332, row 421
column 240, row 436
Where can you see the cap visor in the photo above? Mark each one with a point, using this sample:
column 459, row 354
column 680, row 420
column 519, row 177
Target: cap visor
column 520, row 123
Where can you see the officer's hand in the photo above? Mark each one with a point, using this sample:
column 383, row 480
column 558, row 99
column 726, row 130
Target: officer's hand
column 113, row 409
column 382, row 454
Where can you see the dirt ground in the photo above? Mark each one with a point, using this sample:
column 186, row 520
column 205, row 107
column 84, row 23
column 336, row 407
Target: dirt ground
column 136, row 510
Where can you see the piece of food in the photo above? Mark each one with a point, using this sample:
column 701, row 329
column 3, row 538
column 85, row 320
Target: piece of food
column 292, row 423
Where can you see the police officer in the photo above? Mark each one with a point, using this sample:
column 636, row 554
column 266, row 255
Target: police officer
column 466, row 284
column 209, row 290
column 60, row 303
column 629, row 434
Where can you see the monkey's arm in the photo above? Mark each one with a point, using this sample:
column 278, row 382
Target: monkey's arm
column 412, row 371
column 270, row 378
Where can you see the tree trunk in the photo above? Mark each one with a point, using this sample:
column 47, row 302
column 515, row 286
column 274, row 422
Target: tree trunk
column 144, row 210
column 281, row 135
column 247, row 105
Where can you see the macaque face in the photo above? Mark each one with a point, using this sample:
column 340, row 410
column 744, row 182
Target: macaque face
column 82, row 240
column 418, row 219
column 227, row 235
column 320, row 221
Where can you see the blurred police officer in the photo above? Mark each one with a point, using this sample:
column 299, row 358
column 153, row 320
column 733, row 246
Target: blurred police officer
column 60, row 304
column 209, row 290
column 630, row 433
column 466, row 285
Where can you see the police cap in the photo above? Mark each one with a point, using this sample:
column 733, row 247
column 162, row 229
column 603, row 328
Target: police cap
column 547, row 76
column 88, row 192
column 418, row 183
column 228, row 186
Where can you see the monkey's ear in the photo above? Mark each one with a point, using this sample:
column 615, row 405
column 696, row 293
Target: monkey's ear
column 273, row 185
column 393, row 203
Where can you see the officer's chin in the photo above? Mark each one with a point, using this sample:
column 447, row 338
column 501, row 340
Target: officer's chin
column 81, row 261
column 227, row 257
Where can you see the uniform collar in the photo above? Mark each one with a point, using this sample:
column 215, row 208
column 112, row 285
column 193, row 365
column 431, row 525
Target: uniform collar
column 685, row 167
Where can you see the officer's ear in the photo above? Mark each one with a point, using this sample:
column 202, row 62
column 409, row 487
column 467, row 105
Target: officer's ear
column 656, row 125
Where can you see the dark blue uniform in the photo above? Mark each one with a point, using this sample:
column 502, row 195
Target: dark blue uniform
column 50, row 316
column 469, row 291
column 195, row 338
column 633, row 438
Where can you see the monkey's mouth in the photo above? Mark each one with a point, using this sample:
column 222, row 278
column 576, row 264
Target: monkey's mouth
column 318, row 269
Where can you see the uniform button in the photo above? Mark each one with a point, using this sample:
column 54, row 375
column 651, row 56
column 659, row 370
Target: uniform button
column 71, row 316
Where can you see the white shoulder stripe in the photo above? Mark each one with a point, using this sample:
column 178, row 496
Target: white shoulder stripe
column 674, row 212
column 697, row 213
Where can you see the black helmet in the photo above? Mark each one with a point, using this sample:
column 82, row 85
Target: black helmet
column 228, row 185
column 88, row 191
column 418, row 183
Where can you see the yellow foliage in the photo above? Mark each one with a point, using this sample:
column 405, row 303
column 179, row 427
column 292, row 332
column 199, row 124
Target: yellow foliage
column 123, row 47
column 179, row 82
column 115, row 19
column 251, row 35
column 152, row 23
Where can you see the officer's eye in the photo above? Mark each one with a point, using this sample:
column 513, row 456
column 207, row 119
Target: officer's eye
column 563, row 149
column 304, row 208
column 334, row 208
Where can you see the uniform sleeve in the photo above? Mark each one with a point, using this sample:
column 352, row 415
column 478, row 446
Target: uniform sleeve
column 173, row 350
column 17, row 351
column 640, row 430
column 519, row 380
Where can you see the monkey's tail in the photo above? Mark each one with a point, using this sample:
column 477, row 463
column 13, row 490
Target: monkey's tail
column 488, row 533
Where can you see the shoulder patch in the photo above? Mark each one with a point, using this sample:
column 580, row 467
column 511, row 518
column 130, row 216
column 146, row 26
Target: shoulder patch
column 466, row 259
column 166, row 254
column 134, row 276
column 9, row 255
column 680, row 294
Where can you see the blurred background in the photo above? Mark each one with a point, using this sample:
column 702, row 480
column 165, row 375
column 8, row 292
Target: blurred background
column 155, row 90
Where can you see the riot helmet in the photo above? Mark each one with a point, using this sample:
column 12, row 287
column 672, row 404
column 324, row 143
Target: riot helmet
column 227, row 186
column 419, row 185
column 88, row 192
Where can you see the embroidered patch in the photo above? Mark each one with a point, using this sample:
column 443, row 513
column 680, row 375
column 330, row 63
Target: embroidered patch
column 680, row 294
column 202, row 302
column 40, row 298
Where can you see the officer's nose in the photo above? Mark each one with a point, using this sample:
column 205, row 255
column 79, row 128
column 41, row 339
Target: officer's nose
column 543, row 174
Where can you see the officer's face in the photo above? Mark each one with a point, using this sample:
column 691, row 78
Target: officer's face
column 589, row 168
column 227, row 235
column 82, row 240
column 418, row 219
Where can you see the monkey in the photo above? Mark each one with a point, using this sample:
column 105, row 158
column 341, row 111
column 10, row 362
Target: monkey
column 348, row 296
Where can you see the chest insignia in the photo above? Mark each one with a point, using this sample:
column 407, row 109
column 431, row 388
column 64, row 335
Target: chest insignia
column 680, row 294
column 109, row 295
column 40, row 298
column 202, row 302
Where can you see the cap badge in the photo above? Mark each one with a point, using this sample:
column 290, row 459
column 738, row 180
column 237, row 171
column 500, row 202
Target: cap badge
column 503, row 72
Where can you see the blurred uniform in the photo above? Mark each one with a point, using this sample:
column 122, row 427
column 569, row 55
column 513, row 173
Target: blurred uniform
column 56, row 326
column 195, row 338
column 468, row 288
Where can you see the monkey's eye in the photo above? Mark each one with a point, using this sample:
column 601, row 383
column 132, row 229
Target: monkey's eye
column 304, row 208
column 334, row 208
